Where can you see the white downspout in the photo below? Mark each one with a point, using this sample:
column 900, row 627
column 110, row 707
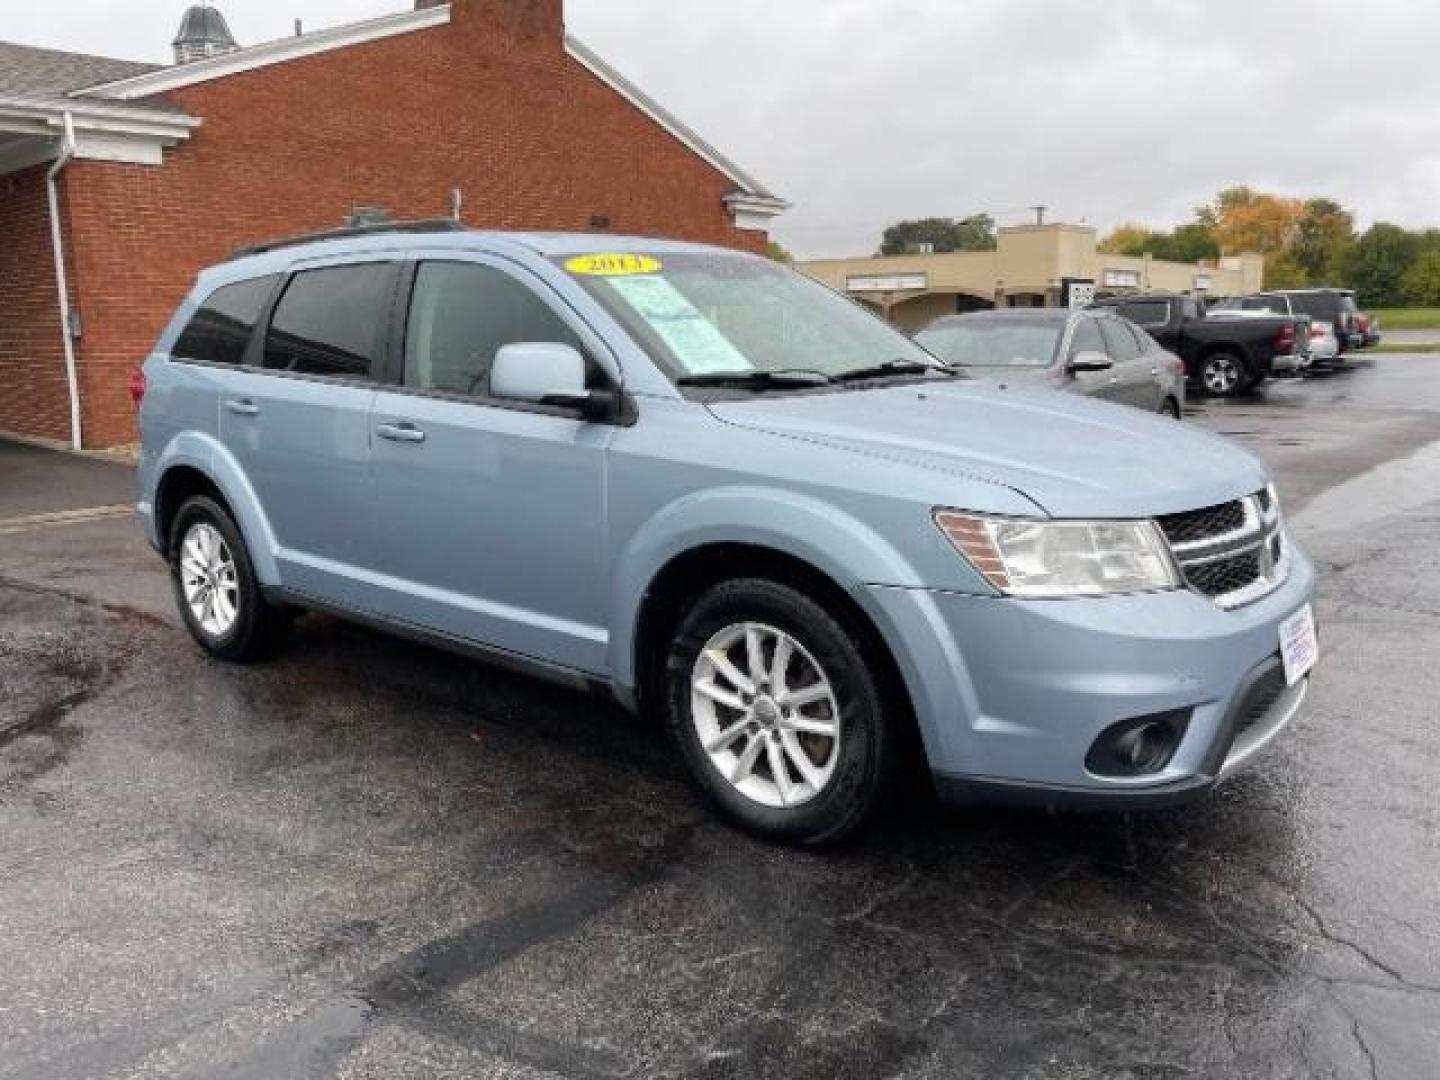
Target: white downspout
column 67, row 151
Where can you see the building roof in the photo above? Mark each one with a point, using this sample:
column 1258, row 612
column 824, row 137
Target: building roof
column 26, row 71
column 36, row 88
column 750, row 192
column 56, row 82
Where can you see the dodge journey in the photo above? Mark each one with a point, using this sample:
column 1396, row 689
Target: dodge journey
column 703, row 484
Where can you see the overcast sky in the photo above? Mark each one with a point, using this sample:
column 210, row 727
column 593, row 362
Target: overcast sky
column 862, row 112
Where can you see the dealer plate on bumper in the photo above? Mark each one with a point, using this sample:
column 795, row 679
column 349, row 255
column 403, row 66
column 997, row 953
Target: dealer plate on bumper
column 1299, row 647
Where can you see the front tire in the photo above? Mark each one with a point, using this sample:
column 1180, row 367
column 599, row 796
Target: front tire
column 778, row 713
column 215, row 586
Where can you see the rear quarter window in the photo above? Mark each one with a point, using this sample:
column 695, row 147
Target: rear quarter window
column 328, row 321
column 221, row 330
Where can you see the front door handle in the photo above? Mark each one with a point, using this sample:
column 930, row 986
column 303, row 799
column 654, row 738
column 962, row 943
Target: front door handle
column 403, row 433
column 243, row 408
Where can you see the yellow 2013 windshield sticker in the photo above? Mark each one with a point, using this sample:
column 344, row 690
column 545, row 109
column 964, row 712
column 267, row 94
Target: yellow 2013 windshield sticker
column 612, row 264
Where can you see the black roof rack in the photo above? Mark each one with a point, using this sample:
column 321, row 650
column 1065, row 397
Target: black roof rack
column 430, row 225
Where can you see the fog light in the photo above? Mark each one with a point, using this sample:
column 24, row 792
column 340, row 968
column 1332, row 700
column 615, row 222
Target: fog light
column 1138, row 746
column 1145, row 748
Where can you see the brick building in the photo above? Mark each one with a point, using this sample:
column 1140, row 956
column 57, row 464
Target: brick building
column 485, row 107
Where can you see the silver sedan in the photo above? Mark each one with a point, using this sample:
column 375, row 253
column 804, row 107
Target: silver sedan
column 1094, row 353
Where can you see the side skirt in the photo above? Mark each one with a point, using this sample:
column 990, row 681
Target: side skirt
column 555, row 674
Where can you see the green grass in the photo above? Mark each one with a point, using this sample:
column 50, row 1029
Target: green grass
column 1422, row 347
column 1408, row 318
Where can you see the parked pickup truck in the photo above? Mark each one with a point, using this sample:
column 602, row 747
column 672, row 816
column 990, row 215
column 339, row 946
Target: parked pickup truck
column 1225, row 356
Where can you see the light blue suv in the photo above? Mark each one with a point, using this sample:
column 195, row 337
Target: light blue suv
column 710, row 487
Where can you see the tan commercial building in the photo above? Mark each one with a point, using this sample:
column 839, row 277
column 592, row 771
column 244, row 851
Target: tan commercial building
column 1031, row 267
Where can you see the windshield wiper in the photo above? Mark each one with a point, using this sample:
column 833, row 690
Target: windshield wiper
column 758, row 380
column 897, row 367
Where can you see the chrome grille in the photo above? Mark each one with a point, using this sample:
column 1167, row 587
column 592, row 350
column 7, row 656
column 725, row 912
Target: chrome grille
column 1234, row 553
column 1196, row 525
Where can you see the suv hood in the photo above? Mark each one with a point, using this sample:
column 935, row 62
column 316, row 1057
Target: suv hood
column 1072, row 456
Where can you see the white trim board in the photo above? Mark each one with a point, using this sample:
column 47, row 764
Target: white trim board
column 102, row 132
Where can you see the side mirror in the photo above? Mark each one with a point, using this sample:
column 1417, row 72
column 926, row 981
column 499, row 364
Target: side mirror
column 1090, row 361
column 547, row 373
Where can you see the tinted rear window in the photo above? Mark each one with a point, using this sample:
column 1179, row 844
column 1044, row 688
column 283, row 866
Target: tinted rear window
column 1315, row 306
column 220, row 331
column 1146, row 312
column 1322, row 305
column 328, row 320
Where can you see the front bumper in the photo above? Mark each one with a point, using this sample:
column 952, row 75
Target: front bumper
column 1011, row 694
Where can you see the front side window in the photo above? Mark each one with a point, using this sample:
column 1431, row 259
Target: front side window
column 703, row 314
column 328, row 321
column 994, row 342
column 220, row 331
column 461, row 315
column 1273, row 304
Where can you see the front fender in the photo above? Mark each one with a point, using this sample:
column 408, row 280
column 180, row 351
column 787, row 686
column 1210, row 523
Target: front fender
column 207, row 455
column 835, row 543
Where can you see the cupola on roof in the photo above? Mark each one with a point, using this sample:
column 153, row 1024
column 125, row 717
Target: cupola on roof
column 203, row 32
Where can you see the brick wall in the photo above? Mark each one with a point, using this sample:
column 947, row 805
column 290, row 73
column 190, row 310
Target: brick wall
column 33, row 395
column 490, row 103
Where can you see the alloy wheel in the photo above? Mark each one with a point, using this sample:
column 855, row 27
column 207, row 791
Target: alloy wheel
column 208, row 579
column 1222, row 375
column 766, row 714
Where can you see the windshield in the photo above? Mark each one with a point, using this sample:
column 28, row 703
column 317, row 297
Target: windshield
column 708, row 315
column 994, row 342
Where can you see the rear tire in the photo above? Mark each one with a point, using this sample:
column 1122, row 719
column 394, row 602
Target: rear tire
column 215, row 586
column 1224, row 374
column 778, row 713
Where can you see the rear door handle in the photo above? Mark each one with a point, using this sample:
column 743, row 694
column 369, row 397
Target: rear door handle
column 243, row 408
column 403, row 433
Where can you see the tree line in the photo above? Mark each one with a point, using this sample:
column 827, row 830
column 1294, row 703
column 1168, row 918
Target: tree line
column 1306, row 242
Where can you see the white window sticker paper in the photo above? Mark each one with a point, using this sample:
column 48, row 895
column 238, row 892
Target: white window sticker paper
column 696, row 342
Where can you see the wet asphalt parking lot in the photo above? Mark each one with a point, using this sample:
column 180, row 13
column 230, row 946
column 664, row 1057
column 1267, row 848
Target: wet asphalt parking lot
column 369, row 859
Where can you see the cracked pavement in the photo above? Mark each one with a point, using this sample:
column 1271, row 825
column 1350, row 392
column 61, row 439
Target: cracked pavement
column 370, row 859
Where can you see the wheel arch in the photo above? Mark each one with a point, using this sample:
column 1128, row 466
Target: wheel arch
column 196, row 464
column 691, row 572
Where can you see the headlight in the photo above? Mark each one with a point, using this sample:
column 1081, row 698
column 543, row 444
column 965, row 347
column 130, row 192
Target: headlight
column 1052, row 559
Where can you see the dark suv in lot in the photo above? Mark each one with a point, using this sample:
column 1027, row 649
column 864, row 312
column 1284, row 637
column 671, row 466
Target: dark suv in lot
column 1334, row 306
